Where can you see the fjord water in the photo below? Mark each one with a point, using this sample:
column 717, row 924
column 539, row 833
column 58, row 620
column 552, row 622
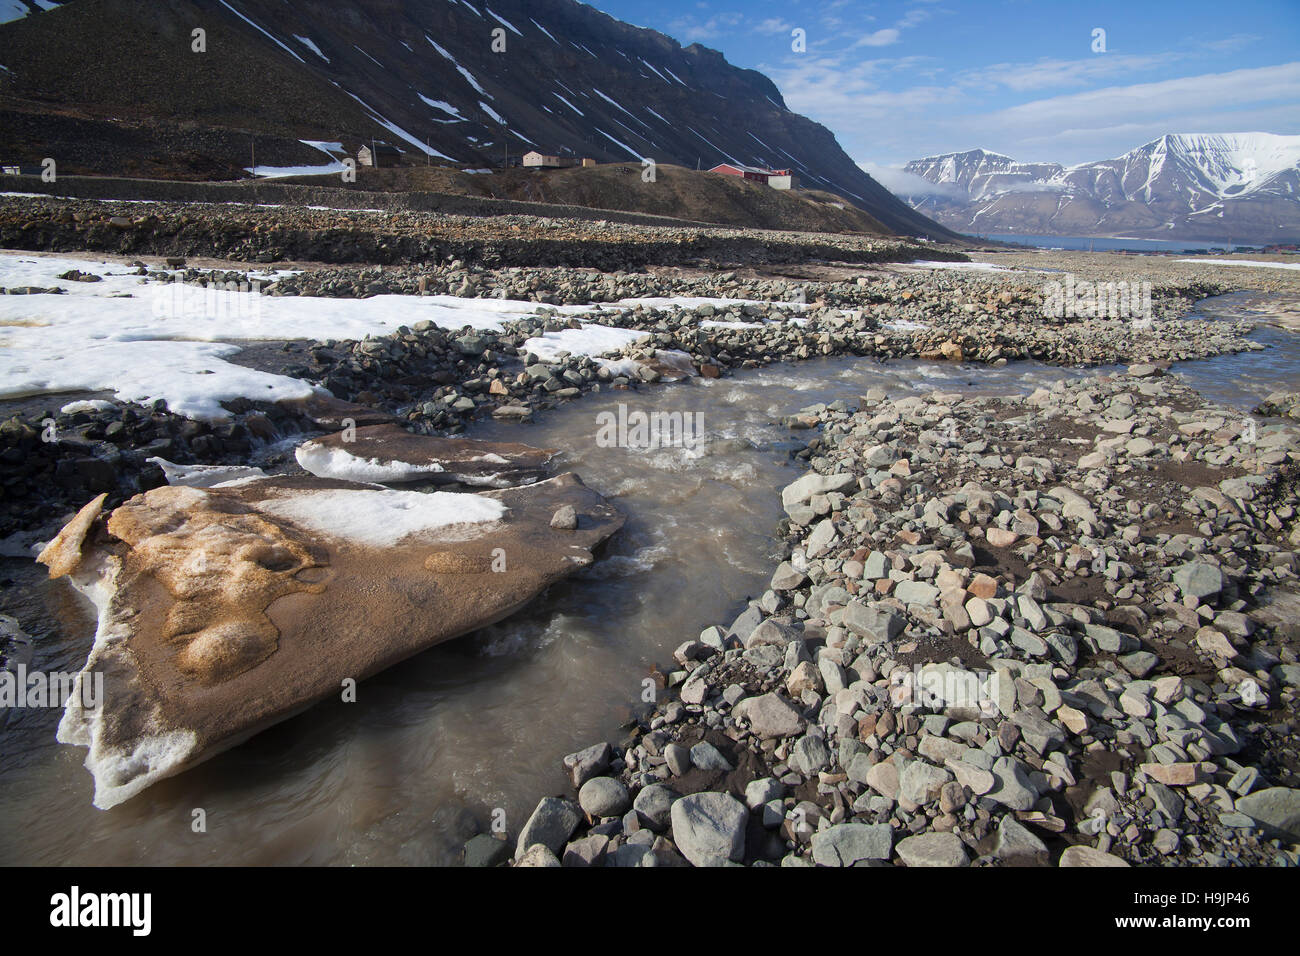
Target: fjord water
column 1112, row 243
column 434, row 745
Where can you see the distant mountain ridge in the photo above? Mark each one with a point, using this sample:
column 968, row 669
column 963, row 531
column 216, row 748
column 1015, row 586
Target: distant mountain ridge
column 463, row 81
column 1242, row 186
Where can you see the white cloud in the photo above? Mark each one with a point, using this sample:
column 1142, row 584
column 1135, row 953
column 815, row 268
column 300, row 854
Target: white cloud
column 1049, row 74
column 902, row 183
column 879, row 38
column 914, row 17
column 893, row 126
column 688, row 29
column 1231, row 44
column 1156, row 101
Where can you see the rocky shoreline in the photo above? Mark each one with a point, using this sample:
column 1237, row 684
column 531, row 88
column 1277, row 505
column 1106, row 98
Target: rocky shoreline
column 1051, row 630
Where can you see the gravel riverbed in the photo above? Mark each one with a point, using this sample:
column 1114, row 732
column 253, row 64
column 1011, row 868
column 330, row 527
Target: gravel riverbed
column 1053, row 630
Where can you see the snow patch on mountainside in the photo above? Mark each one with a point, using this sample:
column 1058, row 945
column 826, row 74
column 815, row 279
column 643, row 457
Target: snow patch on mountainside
column 17, row 9
column 307, row 42
column 266, row 33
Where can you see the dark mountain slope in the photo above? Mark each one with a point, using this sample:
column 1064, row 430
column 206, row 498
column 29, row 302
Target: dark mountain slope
column 420, row 75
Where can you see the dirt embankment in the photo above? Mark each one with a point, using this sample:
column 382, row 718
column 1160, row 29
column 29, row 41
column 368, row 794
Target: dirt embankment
column 251, row 233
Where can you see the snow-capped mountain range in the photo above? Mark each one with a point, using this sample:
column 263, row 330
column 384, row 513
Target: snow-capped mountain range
column 1240, row 186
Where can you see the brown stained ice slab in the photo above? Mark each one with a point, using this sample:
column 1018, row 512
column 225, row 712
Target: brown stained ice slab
column 225, row 610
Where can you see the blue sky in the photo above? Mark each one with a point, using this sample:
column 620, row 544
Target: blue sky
column 897, row 81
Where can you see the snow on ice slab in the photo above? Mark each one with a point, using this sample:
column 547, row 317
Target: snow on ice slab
column 204, row 476
column 1250, row 263
column 383, row 519
column 340, row 463
column 588, row 340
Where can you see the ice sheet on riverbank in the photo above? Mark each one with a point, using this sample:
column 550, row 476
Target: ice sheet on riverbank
column 145, row 341
column 149, row 340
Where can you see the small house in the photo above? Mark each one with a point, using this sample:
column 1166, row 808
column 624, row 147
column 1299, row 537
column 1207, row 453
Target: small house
column 776, row 178
column 536, row 160
column 380, row 155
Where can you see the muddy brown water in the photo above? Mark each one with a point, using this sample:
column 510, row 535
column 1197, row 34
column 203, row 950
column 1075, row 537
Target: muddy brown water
column 434, row 745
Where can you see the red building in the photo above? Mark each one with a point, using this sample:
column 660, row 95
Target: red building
column 777, row 178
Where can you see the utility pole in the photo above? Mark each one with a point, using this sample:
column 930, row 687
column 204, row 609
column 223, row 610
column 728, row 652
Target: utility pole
column 252, row 145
